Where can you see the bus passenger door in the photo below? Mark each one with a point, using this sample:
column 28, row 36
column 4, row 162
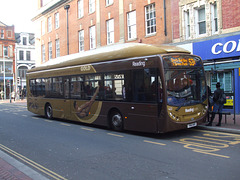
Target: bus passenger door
column 143, row 110
column 67, row 101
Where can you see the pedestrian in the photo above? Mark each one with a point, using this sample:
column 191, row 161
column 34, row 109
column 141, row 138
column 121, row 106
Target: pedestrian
column 217, row 105
column 13, row 95
column 1, row 94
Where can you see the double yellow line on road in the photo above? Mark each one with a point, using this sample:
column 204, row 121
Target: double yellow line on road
column 32, row 163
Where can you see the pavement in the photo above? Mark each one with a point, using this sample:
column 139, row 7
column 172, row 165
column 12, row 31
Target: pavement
column 12, row 169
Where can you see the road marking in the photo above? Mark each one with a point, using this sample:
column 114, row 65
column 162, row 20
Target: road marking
column 24, row 115
column 210, row 142
column 218, row 133
column 87, row 129
column 221, row 140
column 48, row 121
column 117, row 135
column 35, row 118
column 152, row 142
column 32, row 163
column 65, row 124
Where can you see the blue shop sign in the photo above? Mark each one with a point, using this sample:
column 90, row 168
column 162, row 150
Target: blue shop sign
column 218, row 48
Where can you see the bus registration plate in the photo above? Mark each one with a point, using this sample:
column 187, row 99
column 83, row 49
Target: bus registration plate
column 191, row 125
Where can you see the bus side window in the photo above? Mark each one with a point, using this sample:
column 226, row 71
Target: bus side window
column 48, row 87
column 145, row 86
column 66, row 88
column 160, row 89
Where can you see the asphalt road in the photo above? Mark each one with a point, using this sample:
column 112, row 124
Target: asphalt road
column 64, row 150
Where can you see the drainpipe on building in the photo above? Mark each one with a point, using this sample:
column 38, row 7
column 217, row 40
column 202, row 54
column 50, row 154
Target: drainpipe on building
column 165, row 18
column 66, row 7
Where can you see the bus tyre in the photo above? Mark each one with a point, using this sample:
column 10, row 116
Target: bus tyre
column 48, row 111
column 116, row 121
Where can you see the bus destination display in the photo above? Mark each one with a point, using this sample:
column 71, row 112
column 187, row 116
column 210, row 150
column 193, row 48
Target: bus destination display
column 182, row 61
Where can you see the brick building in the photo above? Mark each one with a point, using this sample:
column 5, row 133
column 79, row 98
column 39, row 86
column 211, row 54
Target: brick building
column 7, row 59
column 89, row 24
column 211, row 29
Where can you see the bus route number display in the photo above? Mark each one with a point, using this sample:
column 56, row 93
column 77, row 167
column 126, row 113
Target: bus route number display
column 181, row 61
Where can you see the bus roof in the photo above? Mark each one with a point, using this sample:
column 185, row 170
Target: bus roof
column 107, row 53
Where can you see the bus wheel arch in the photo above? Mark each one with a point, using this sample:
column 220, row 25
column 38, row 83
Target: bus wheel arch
column 115, row 119
column 48, row 111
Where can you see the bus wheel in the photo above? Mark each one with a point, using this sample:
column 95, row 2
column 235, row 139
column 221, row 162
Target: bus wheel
column 116, row 121
column 48, row 111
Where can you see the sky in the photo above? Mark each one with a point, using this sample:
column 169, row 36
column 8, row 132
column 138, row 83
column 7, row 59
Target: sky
column 18, row 13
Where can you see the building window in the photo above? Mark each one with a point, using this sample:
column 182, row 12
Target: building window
column 81, row 40
column 187, row 24
column 91, row 6
column 24, row 41
column 201, row 21
column 80, row 9
column 22, row 71
column 92, row 38
column 2, row 34
column 5, row 51
column 43, row 27
column 56, row 20
column 225, row 79
column 21, row 55
column 28, row 55
column 150, row 19
column 110, row 31
column 214, row 18
column 9, row 34
column 49, row 24
column 57, row 48
column 131, row 20
column 50, row 50
column 43, row 53
column 109, row 2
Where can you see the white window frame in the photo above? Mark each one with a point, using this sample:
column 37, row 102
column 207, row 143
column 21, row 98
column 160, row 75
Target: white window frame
column 187, row 24
column 50, row 24
column 81, row 40
column 50, row 50
column 80, row 9
column 57, row 45
column 109, row 2
column 150, row 19
column 132, row 25
column 24, row 38
column 214, row 18
column 56, row 16
column 43, row 53
column 28, row 55
column 91, row 6
column 92, row 37
column 5, row 51
column 21, row 53
column 110, row 31
column 200, row 21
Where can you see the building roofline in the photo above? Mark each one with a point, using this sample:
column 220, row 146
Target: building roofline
column 49, row 7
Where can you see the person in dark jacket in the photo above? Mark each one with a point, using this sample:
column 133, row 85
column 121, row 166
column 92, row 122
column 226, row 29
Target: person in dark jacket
column 218, row 106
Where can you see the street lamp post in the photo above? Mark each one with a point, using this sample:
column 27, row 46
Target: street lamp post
column 66, row 7
column 4, row 83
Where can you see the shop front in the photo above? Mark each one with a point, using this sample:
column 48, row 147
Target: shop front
column 221, row 59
